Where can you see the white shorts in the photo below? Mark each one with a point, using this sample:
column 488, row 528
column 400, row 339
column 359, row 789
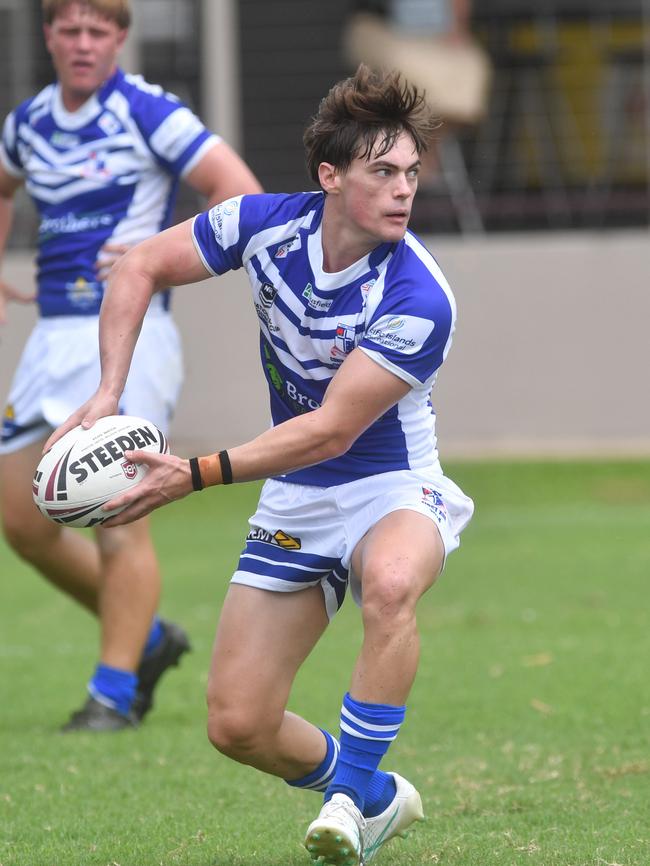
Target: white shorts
column 301, row 536
column 59, row 370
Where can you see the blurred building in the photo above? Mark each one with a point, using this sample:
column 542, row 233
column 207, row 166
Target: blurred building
column 564, row 144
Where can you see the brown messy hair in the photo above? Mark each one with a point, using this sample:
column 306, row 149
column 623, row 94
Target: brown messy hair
column 118, row 11
column 365, row 114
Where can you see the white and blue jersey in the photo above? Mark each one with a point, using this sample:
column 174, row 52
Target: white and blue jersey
column 106, row 173
column 394, row 304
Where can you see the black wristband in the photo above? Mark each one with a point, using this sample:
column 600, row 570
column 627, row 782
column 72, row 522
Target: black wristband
column 197, row 481
column 226, row 468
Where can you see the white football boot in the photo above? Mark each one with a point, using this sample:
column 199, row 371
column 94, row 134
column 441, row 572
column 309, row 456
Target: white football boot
column 404, row 809
column 335, row 838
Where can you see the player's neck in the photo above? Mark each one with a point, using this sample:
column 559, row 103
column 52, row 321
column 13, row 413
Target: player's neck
column 343, row 247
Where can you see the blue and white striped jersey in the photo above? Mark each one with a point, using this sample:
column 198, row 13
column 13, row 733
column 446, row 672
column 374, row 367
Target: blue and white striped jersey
column 394, row 304
column 107, row 172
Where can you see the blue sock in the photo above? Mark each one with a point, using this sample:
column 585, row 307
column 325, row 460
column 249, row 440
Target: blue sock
column 380, row 794
column 155, row 636
column 319, row 779
column 113, row 687
column 367, row 730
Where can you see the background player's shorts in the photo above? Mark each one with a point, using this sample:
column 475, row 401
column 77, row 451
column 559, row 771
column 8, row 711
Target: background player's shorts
column 301, row 536
column 59, row 370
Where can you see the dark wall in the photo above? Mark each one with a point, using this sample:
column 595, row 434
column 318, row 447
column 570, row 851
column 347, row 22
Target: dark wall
column 290, row 57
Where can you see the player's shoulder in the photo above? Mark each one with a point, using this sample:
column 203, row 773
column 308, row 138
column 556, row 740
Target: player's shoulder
column 274, row 209
column 414, row 272
column 34, row 106
column 144, row 98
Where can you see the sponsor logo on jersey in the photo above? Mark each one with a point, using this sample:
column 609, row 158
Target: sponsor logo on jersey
column 71, row 224
column 288, row 246
column 229, row 207
column 267, row 294
column 287, row 390
column 278, row 538
column 316, row 303
column 435, row 503
column 266, row 297
column 64, row 140
column 82, row 293
column 8, row 423
column 405, row 334
column 109, row 124
column 365, row 288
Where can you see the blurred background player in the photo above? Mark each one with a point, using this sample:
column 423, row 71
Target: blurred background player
column 100, row 153
column 355, row 320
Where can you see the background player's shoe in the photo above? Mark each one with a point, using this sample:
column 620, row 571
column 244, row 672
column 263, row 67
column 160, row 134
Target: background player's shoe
column 173, row 644
column 97, row 717
column 335, row 838
column 404, row 809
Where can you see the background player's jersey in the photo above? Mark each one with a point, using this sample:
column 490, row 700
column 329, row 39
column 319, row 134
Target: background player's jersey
column 395, row 304
column 107, row 172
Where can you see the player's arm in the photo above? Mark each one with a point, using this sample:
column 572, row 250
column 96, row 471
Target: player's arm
column 8, row 186
column 168, row 258
column 221, row 173
column 359, row 394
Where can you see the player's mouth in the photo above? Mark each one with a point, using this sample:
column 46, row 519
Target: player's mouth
column 398, row 215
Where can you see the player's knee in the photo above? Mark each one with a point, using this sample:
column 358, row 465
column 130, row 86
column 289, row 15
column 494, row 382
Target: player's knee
column 237, row 733
column 388, row 596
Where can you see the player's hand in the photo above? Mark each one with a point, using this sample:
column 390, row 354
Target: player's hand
column 169, row 478
column 7, row 294
column 97, row 407
column 107, row 257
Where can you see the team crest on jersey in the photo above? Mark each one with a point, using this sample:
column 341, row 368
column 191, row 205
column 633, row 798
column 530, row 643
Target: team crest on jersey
column 95, row 167
column 344, row 343
column 278, row 538
column 435, row 503
column 290, row 245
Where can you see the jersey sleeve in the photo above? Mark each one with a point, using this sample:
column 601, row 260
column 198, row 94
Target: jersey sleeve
column 9, row 155
column 175, row 135
column 229, row 234
column 409, row 332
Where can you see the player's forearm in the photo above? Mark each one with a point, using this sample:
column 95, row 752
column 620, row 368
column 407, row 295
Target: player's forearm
column 303, row 441
column 125, row 303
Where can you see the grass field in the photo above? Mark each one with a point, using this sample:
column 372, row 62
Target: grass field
column 528, row 730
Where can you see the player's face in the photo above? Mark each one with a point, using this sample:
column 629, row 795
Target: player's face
column 377, row 193
column 84, row 48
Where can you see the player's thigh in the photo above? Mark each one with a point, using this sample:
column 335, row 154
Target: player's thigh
column 399, row 558
column 20, row 516
column 262, row 639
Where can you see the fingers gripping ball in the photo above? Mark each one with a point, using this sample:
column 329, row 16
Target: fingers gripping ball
column 87, row 468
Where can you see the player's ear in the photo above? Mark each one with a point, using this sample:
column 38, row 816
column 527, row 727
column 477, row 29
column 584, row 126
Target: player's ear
column 328, row 177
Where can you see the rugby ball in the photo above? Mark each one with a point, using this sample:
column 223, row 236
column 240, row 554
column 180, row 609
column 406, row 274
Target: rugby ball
column 87, row 468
